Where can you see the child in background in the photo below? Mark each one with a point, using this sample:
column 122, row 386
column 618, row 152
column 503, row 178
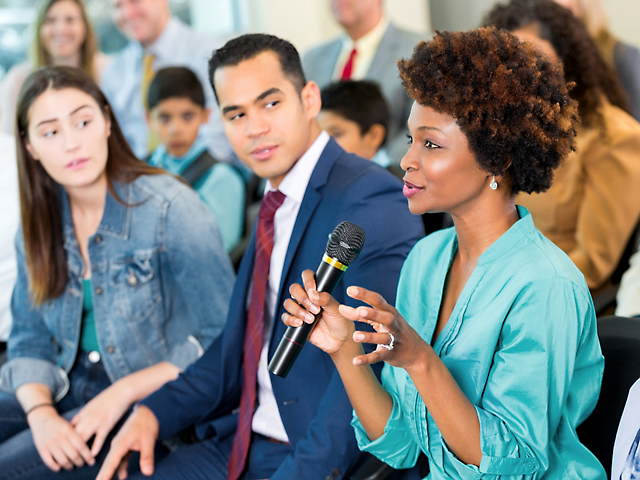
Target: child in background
column 175, row 111
column 356, row 114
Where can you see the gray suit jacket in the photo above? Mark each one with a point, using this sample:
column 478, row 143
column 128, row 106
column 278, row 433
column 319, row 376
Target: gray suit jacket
column 320, row 62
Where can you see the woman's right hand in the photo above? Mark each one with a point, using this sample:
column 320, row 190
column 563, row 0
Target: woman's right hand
column 57, row 442
column 332, row 330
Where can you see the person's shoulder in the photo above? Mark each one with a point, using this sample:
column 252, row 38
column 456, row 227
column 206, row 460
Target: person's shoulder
column 407, row 39
column 16, row 75
column 161, row 188
column 537, row 261
column 195, row 40
column 350, row 168
column 620, row 125
column 319, row 50
column 120, row 61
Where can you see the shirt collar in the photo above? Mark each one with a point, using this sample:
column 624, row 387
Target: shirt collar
column 166, row 40
column 294, row 184
column 176, row 165
column 372, row 38
column 518, row 230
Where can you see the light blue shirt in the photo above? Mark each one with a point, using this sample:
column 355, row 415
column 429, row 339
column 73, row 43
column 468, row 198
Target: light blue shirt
column 522, row 345
column 177, row 46
column 222, row 189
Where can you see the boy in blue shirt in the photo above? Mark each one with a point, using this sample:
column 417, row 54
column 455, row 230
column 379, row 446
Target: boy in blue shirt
column 175, row 111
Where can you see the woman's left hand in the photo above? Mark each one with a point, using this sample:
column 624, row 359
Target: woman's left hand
column 408, row 346
column 100, row 416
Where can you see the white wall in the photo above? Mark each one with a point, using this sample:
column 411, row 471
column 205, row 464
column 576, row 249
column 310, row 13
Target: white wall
column 624, row 16
column 308, row 22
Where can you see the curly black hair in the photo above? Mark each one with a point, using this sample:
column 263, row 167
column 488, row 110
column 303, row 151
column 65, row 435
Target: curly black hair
column 511, row 103
column 582, row 61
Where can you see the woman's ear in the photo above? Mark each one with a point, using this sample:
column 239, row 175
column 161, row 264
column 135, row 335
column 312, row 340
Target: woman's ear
column 31, row 151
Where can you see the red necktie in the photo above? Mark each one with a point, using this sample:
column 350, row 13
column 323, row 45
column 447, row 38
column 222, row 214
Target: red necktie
column 348, row 67
column 254, row 333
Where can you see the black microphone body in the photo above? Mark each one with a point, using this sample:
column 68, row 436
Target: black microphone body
column 345, row 244
column 327, row 277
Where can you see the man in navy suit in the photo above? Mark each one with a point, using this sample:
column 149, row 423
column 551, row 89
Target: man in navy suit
column 301, row 426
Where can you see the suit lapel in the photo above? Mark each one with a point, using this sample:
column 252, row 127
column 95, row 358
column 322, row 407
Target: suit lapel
column 310, row 202
column 381, row 58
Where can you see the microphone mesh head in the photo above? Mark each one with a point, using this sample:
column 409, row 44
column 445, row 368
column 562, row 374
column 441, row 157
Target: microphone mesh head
column 345, row 242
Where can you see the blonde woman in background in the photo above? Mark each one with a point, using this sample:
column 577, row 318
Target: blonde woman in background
column 63, row 36
column 625, row 59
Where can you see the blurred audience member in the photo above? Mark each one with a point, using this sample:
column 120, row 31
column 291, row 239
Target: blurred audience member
column 122, row 281
column 176, row 111
column 625, row 59
column 626, row 454
column 63, row 36
column 9, row 219
column 591, row 209
column 370, row 49
column 157, row 40
column 628, row 298
column 357, row 116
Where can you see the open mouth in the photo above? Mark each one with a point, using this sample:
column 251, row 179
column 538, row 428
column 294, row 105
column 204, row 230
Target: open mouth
column 77, row 163
column 262, row 153
column 409, row 189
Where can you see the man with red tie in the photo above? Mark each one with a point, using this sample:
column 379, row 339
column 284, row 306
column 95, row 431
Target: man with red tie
column 369, row 49
column 250, row 424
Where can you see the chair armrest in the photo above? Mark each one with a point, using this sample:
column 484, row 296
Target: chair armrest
column 372, row 469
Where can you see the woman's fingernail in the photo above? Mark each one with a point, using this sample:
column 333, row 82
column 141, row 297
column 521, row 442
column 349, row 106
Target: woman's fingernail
column 357, row 361
column 352, row 291
column 358, row 337
column 310, row 318
column 314, row 308
column 362, row 312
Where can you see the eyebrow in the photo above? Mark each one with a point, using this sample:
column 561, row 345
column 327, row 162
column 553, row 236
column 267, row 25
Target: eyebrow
column 262, row 96
column 423, row 128
column 72, row 113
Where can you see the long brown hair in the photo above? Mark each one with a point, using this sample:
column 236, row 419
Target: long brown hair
column 88, row 49
column 39, row 193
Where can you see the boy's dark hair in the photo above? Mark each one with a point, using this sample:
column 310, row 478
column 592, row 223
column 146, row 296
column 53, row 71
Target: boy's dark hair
column 246, row 47
column 358, row 101
column 175, row 82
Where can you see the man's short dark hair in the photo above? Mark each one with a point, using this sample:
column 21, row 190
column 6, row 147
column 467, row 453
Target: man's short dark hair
column 358, row 101
column 246, row 47
column 175, row 82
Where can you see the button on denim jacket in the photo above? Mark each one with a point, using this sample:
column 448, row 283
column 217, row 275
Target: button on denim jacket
column 161, row 285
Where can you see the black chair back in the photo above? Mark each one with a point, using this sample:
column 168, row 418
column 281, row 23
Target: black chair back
column 620, row 342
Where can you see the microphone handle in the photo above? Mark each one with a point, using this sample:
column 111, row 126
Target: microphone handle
column 327, row 277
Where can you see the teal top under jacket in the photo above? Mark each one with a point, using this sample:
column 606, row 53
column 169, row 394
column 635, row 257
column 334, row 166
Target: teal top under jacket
column 522, row 345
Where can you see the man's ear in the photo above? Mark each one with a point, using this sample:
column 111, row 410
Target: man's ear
column 374, row 137
column 311, row 100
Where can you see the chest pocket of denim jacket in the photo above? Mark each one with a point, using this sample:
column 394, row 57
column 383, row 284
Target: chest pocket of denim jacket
column 136, row 284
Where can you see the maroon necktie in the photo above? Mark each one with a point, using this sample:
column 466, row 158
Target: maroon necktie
column 254, row 333
column 347, row 71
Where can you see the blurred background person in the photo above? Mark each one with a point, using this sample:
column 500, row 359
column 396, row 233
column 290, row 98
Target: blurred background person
column 122, row 281
column 175, row 111
column 369, row 49
column 9, row 220
column 63, row 36
column 357, row 116
column 589, row 211
column 157, row 40
column 623, row 58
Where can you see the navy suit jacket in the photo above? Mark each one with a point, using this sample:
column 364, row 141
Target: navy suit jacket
column 313, row 404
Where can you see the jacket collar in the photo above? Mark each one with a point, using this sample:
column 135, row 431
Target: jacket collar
column 116, row 218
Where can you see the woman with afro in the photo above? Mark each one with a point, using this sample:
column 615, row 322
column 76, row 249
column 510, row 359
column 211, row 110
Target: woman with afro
column 592, row 208
column 492, row 356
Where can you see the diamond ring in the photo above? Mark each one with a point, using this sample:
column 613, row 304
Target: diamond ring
column 389, row 346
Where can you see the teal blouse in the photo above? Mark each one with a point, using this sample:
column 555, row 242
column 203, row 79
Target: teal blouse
column 88, row 335
column 522, row 345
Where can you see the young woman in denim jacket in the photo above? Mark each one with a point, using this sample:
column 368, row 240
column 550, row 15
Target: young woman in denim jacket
column 105, row 237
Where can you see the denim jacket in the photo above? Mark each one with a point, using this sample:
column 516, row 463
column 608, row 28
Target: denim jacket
column 161, row 284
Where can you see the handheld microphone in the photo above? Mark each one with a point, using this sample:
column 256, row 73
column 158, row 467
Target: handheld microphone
column 343, row 247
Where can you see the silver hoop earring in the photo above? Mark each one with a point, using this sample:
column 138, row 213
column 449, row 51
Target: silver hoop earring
column 493, row 185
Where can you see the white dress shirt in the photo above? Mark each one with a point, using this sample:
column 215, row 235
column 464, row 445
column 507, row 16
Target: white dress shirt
column 627, row 430
column 9, row 220
column 266, row 420
column 365, row 46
